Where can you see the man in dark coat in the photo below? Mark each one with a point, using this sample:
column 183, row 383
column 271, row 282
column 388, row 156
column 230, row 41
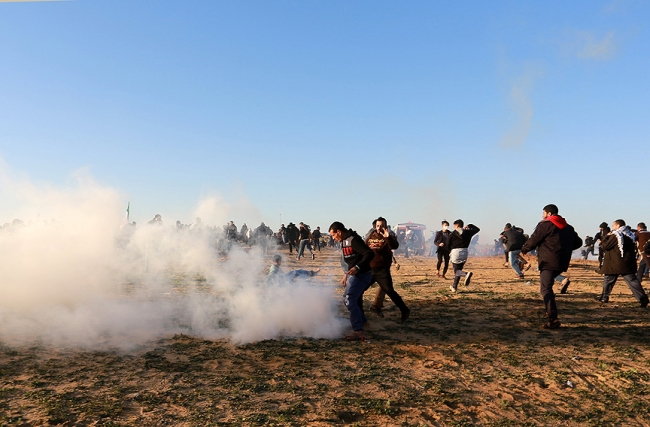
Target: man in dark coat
column 440, row 242
column 642, row 237
column 620, row 260
column 602, row 232
column 555, row 241
column 513, row 240
column 292, row 236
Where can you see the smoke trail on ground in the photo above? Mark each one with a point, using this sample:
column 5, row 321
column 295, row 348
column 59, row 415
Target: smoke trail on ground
column 79, row 279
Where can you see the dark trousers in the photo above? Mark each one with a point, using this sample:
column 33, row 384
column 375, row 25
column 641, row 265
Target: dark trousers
column 546, row 280
column 292, row 245
column 443, row 255
column 641, row 271
column 635, row 286
column 384, row 279
column 316, row 244
column 458, row 272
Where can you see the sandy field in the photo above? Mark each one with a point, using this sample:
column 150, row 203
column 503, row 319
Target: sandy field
column 478, row 357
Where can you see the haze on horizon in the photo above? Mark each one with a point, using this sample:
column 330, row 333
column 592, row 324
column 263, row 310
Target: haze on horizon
column 326, row 111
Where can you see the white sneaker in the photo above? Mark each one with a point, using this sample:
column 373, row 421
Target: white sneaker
column 468, row 278
column 451, row 288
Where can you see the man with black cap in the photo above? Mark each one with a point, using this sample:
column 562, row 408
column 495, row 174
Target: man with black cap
column 555, row 241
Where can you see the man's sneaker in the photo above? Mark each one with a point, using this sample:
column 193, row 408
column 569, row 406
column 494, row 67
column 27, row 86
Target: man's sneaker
column 553, row 324
column 521, row 276
column 644, row 302
column 451, row 288
column 600, row 298
column 313, row 256
column 468, row 278
column 405, row 314
column 565, row 285
column 377, row 311
column 356, row 336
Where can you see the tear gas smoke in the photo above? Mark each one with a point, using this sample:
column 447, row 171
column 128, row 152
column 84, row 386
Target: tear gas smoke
column 80, row 280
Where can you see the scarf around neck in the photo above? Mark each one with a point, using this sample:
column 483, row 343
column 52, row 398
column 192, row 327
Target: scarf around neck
column 623, row 231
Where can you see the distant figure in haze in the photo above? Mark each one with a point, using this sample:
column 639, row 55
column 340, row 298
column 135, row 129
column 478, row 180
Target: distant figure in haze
column 304, row 237
column 356, row 256
column 513, row 241
column 620, row 260
column 179, row 226
column 642, row 237
column 157, row 220
column 472, row 245
column 243, row 233
column 231, row 232
column 292, row 236
column 602, row 232
column 457, row 243
column 556, row 240
column 315, row 238
column 276, row 275
column 383, row 243
column 262, row 234
column 440, row 242
column 282, row 234
column 588, row 248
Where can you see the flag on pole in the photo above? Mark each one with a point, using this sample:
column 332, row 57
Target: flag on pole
column 128, row 206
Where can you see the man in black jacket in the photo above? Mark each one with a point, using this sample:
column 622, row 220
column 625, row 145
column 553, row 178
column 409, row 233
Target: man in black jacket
column 292, row 236
column 513, row 240
column 357, row 256
column 457, row 243
column 620, row 260
column 602, row 232
column 555, row 241
column 440, row 242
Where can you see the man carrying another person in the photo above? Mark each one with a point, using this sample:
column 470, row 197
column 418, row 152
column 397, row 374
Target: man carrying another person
column 383, row 242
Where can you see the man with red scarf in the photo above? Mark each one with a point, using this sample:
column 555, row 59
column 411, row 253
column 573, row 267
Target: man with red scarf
column 555, row 241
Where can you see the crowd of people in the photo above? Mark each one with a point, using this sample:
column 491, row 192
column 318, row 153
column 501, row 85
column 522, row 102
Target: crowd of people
column 367, row 260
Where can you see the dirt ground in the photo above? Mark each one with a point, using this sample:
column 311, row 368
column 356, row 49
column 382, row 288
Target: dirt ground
column 478, row 357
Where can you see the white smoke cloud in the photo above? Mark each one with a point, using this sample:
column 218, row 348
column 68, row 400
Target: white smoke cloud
column 70, row 276
column 522, row 105
column 589, row 47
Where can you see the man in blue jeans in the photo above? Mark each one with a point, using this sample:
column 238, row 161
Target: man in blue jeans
column 357, row 256
column 305, row 241
column 513, row 240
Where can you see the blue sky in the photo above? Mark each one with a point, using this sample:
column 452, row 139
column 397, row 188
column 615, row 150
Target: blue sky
column 339, row 110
